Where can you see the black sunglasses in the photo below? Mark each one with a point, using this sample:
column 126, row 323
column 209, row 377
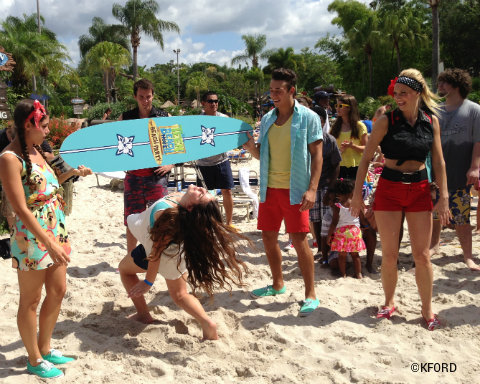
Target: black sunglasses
column 211, row 101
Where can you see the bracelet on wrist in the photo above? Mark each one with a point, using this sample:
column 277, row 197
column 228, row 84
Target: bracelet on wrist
column 147, row 282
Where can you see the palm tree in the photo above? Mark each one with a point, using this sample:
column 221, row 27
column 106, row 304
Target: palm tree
column 253, row 51
column 436, row 42
column 365, row 36
column 109, row 57
column 403, row 27
column 33, row 51
column 139, row 16
column 98, row 32
column 283, row 58
column 197, row 82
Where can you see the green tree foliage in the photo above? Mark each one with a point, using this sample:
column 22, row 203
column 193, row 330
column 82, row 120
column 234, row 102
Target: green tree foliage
column 35, row 53
column 254, row 46
column 139, row 16
column 284, row 58
column 318, row 70
column 108, row 58
column 196, row 84
column 459, row 40
column 377, row 42
column 98, row 32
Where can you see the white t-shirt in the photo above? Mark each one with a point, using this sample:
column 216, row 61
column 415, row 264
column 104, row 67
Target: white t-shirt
column 345, row 217
column 139, row 226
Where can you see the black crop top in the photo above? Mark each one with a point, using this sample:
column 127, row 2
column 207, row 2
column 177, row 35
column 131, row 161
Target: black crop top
column 404, row 142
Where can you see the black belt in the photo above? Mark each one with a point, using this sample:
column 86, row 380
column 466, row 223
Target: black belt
column 404, row 177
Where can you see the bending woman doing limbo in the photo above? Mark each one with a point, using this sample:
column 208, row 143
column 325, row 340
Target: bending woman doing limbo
column 183, row 238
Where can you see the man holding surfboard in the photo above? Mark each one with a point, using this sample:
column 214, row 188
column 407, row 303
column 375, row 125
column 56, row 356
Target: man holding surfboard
column 216, row 170
column 288, row 184
column 143, row 186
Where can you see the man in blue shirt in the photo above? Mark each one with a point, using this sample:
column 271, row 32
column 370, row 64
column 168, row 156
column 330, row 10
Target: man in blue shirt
column 288, row 184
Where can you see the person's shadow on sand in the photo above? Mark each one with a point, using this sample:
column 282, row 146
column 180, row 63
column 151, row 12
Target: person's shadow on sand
column 90, row 271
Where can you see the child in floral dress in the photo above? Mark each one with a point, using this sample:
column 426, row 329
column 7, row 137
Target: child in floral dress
column 344, row 235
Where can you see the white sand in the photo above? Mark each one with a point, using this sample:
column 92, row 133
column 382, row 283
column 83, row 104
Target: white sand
column 261, row 341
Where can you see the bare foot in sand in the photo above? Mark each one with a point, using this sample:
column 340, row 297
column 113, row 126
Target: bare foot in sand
column 471, row 264
column 144, row 318
column 434, row 250
column 209, row 330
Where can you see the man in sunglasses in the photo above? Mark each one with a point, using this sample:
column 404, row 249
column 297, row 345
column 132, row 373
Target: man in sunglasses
column 216, row 170
column 290, row 154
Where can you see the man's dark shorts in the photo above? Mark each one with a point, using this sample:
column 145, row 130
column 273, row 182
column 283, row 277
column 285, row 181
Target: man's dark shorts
column 142, row 191
column 217, row 176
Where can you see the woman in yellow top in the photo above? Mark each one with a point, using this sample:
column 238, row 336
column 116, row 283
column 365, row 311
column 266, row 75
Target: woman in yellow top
column 351, row 135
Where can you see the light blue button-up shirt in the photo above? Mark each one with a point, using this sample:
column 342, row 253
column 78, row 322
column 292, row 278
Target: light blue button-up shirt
column 306, row 128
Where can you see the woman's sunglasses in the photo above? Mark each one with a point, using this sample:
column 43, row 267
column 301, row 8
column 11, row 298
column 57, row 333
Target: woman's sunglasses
column 340, row 106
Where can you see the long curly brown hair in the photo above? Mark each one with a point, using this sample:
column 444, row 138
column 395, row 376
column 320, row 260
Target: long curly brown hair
column 353, row 117
column 209, row 245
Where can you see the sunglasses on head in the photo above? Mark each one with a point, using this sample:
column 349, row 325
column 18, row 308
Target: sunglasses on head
column 340, row 106
column 212, row 101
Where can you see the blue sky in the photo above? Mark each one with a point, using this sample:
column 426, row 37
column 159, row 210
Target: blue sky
column 210, row 30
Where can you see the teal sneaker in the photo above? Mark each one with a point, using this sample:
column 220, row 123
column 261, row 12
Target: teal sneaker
column 45, row 369
column 309, row 305
column 56, row 357
column 267, row 291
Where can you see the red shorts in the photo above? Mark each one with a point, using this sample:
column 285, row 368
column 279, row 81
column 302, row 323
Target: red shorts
column 398, row 196
column 277, row 208
column 142, row 191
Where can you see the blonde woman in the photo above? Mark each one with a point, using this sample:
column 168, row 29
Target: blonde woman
column 406, row 135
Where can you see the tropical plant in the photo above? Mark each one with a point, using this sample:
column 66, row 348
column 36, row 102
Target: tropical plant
column 403, row 28
column 435, row 42
column 59, row 130
column 283, row 58
column 33, row 52
column 98, row 32
column 96, row 111
column 109, row 58
column 459, row 34
column 139, row 16
column 197, row 83
column 253, row 50
column 365, row 36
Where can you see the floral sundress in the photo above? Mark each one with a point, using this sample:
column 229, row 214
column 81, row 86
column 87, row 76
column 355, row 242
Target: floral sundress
column 47, row 207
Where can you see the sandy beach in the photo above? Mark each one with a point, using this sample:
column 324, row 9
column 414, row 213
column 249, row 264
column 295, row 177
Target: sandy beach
column 262, row 341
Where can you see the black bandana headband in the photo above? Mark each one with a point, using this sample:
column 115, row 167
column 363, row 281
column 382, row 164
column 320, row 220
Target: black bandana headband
column 409, row 82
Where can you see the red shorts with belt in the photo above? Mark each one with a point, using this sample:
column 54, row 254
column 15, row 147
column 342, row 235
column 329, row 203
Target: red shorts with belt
column 399, row 196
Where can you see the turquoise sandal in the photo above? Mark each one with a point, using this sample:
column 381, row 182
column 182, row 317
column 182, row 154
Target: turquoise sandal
column 309, row 305
column 267, row 291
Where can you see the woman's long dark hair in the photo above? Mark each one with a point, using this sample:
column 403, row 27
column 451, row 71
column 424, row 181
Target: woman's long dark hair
column 209, row 245
column 22, row 111
column 353, row 117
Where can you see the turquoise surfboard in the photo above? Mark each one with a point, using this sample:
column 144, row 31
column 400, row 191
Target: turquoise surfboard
column 147, row 143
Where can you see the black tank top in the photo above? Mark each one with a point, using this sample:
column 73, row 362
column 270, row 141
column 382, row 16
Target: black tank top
column 404, row 142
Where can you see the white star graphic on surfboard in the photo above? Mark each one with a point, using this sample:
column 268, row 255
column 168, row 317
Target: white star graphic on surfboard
column 208, row 136
column 125, row 145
